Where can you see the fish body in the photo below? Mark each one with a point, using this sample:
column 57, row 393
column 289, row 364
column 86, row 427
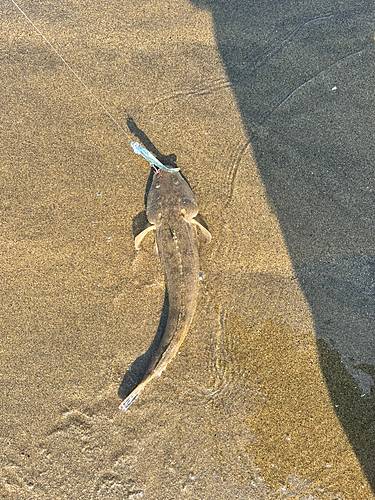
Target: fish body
column 171, row 212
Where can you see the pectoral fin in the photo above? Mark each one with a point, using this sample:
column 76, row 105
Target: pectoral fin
column 198, row 221
column 138, row 239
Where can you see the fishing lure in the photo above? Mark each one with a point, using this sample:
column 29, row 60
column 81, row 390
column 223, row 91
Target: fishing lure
column 154, row 162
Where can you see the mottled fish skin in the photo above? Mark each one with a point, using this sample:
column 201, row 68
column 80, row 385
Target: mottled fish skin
column 171, row 212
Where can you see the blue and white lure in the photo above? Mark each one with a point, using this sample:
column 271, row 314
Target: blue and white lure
column 154, row 162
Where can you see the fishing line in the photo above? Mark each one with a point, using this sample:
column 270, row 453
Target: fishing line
column 137, row 148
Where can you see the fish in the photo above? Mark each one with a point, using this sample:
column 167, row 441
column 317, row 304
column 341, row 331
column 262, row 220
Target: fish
column 172, row 212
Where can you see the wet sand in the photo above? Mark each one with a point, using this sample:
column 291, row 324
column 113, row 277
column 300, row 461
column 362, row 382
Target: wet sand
column 244, row 410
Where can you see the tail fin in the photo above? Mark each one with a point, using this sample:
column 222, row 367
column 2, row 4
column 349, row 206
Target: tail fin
column 129, row 400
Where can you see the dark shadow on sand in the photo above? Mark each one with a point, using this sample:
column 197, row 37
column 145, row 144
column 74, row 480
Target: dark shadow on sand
column 139, row 367
column 303, row 76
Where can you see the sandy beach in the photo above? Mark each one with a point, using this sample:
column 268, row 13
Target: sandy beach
column 269, row 111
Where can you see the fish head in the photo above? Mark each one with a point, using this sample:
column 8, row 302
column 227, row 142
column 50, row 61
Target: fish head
column 169, row 192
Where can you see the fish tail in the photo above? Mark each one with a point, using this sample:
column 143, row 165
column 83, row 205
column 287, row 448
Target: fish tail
column 129, row 400
column 163, row 358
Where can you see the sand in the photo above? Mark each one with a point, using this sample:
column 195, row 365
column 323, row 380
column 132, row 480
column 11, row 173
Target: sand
column 247, row 409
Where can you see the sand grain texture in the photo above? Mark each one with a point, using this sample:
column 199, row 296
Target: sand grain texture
column 243, row 411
